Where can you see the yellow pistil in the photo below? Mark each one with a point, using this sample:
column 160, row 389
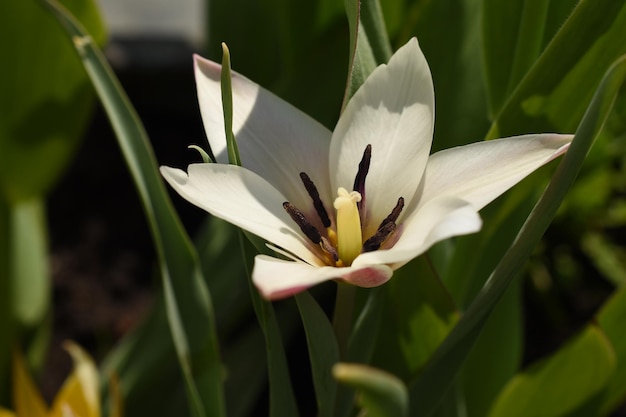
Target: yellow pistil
column 348, row 225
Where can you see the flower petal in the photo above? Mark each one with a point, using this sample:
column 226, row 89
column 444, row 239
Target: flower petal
column 394, row 112
column 433, row 222
column 482, row 171
column 276, row 140
column 80, row 393
column 244, row 199
column 276, row 278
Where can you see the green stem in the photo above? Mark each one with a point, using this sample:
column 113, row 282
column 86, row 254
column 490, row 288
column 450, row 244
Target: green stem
column 342, row 316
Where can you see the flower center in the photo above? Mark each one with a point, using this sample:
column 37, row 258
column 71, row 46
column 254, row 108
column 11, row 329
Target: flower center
column 342, row 244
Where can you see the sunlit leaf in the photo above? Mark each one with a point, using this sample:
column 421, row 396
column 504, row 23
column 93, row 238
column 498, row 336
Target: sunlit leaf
column 46, row 96
column 418, row 313
column 380, row 393
column 562, row 383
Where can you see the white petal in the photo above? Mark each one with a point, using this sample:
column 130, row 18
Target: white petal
column 394, row 112
column 276, row 140
column 244, row 199
column 433, row 222
column 276, row 278
column 482, row 171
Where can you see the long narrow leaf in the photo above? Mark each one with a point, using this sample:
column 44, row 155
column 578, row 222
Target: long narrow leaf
column 362, row 61
column 441, row 371
column 323, row 351
column 282, row 400
column 188, row 302
column 373, row 23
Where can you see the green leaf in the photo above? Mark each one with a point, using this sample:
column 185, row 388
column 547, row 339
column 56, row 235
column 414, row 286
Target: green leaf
column 611, row 321
column 24, row 279
column 556, row 91
column 373, row 22
column 323, row 351
column 364, row 334
column 145, row 362
column 513, row 36
column 418, row 313
column 380, row 393
column 477, row 254
column 45, row 105
column 282, row 399
column 496, row 356
column 366, row 327
column 302, row 46
column 362, row 61
column 46, row 96
column 227, row 108
column 440, row 372
column 500, row 29
column 30, row 285
column 561, row 384
column 188, row 303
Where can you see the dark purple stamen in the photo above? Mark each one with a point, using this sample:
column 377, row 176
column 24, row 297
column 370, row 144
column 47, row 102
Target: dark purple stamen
column 359, row 180
column 386, row 227
column 307, row 228
column 395, row 213
column 374, row 242
column 317, row 201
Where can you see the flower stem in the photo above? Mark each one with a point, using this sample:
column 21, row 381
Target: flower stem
column 342, row 316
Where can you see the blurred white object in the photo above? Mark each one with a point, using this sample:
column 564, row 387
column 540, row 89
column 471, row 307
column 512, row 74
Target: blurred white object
column 180, row 19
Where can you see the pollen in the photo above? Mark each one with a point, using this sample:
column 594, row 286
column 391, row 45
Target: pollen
column 349, row 238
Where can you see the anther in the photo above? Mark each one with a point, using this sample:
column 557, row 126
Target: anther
column 329, row 249
column 395, row 213
column 317, row 201
column 384, row 230
column 374, row 242
column 359, row 180
column 307, row 228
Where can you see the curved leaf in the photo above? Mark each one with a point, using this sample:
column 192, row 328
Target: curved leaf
column 188, row 303
column 561, row 384
column 380, row 393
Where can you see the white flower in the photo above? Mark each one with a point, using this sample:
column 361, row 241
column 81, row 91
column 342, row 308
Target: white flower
column 375, row 164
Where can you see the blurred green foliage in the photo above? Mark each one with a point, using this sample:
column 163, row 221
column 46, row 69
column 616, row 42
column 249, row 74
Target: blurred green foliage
column 45, row 103
column 499, row 68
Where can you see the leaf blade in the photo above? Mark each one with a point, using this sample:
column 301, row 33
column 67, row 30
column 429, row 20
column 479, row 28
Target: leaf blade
column 187, row 298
